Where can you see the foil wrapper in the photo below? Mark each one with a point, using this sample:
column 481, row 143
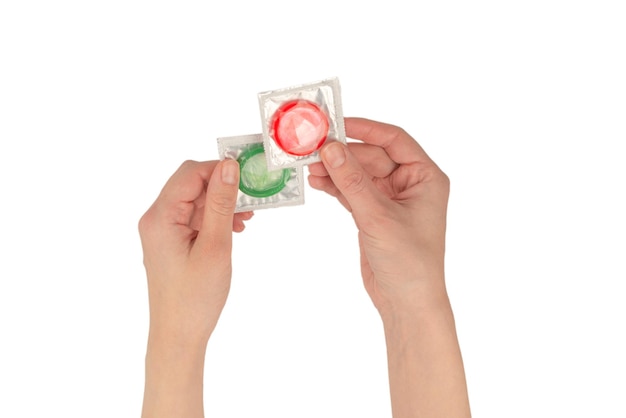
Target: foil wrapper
column 325, row 94
column 236, row 147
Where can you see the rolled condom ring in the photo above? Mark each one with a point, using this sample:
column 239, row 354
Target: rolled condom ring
column 255, row 180
column 299, row 127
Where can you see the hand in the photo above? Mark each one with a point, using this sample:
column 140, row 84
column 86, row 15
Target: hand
column 398, row 198
column 187, row 239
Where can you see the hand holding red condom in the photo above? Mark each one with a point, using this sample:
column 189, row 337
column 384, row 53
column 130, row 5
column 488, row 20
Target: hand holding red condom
column 398, row 198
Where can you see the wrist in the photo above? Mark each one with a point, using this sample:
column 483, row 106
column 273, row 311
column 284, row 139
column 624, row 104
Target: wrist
column 186, row 327
column 415, row 297
column 410, row 320
column 174, row 341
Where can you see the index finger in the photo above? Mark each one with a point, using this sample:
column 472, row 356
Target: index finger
column 399, row 145
column 372, row 158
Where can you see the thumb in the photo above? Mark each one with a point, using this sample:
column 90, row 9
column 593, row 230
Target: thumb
column 352, row 181
column 215, row 235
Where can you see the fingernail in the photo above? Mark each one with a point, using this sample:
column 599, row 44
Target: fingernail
column 230, row 171
column 334, row 155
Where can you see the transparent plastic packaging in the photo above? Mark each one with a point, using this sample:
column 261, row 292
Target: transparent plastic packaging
column 260, row 188
column 298, row 120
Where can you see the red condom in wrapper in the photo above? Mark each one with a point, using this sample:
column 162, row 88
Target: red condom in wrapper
column 297, row 121
column 299, row 127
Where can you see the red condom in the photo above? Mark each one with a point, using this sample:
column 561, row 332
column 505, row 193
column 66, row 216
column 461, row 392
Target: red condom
column 299, row 127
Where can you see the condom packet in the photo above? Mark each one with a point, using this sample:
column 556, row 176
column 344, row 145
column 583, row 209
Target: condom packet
column 298, row 120
column 258, row 187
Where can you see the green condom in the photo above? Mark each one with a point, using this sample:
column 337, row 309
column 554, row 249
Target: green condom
column 255, row 180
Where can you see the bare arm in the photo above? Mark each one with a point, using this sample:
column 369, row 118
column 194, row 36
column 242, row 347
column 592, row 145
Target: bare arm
column 426, row 374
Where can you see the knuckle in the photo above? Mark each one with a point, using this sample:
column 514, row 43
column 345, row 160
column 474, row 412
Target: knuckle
column 397, row 134
column 145, row 223
column 433, row 172
column 221, row 204
column 400, row 132
column 353, row 183
column 444, row 179
column 188, row 164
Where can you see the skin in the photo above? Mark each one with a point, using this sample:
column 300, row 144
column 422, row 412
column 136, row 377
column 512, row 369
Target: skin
column 186, row 237
column 398, row 198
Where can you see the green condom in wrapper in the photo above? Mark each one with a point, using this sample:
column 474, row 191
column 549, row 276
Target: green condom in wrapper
column 259, row 187
column 255, row 180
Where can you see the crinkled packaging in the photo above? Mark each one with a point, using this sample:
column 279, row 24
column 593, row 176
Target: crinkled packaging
column 260, row 188
column 298, row 120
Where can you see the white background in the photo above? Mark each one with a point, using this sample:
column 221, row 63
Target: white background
column 523, row 104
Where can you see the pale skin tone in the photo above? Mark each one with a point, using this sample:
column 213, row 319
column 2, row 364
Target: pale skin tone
column 398, row 198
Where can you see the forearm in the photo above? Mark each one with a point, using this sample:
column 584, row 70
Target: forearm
column 426, row 375
column 174, row 378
